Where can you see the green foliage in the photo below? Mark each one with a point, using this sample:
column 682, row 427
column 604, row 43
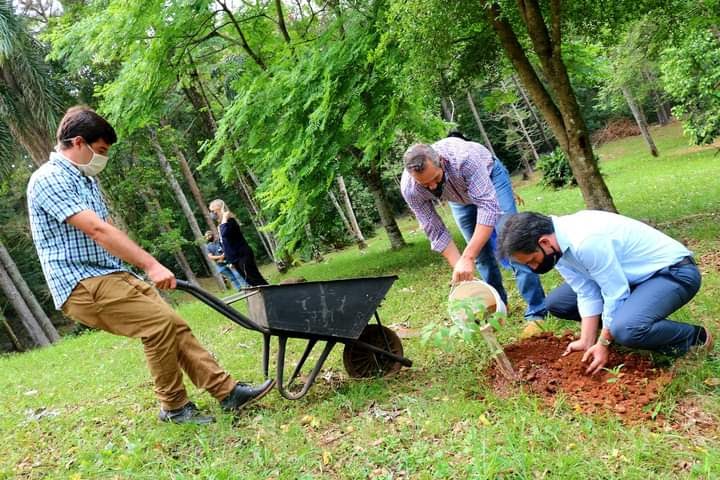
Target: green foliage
column 614, row 373
column 691, row 74
column 29, row 100
column 333, row 107
column 441, row 419
column 467, row 315
column 555, row 169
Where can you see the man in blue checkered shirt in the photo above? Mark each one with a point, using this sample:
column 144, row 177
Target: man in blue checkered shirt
column 81, row 254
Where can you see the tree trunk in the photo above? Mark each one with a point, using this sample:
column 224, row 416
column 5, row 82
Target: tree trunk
column 480, row 126
column 11, row 333
column 341, row 213
column 661, row 106
column 194, row 188
column 36, row 142
column 374, row 182
column 281, row 21
column 639, row 115
column 42, row 319
column 255, row 216
column 528, row 139
column 351, row 213
column 448, row 109
column 153, row 205
column 716, row 31
column 185, row 207
column 560, row 110
column 27, row 319
column 314, row 247
column 538, row 122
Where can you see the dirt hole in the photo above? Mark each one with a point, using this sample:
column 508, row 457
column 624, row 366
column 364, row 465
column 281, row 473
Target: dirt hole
column 625, row 390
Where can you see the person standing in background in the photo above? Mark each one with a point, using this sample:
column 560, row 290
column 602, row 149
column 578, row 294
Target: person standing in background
column 236, row 248
column 216, row 254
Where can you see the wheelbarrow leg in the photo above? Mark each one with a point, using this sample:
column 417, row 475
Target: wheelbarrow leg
column 282, row 342
column 382, row 332
column 308, row 349
column 266, row 354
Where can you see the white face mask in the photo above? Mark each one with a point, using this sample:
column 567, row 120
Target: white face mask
column 96, row 164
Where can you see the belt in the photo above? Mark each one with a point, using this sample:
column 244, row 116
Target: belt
column 685, row 261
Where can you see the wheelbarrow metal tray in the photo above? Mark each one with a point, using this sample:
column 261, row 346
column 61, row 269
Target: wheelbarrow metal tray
column 333, row 308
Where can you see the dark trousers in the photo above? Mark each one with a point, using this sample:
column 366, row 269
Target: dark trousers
column 641, row 321
column 247, row 267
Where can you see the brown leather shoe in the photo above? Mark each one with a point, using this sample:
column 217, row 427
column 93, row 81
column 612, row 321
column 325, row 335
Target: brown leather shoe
column 707, row 345
column 532, row 329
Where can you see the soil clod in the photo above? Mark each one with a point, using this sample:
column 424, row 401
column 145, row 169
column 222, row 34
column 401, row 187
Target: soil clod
column 629, row 383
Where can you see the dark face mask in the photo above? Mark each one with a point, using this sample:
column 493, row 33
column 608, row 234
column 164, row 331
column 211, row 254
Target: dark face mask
column 439, row 188
column 214, row 216
column 548, row 261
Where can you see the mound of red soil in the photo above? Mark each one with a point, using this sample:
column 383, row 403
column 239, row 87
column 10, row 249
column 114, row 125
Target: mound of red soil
column 614, row 130
column 543, row 370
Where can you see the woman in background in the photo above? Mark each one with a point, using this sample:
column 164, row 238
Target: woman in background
column 237, row 251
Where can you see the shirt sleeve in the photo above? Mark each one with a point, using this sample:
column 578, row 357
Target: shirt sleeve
column 589, row 297
column 480, row 188
column 57, row 196
column 598, row 256
column 430, row 221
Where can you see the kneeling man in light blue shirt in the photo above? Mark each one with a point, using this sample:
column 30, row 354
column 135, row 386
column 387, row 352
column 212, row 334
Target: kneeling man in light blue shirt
column 616, row 269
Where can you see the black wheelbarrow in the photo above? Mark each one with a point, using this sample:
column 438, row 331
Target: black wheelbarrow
column 335, row 311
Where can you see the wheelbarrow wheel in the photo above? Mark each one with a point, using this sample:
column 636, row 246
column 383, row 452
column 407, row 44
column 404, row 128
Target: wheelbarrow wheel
column 362, row 363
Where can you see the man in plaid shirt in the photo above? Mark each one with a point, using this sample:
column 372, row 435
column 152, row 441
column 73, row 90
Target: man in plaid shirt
column 81, row 254
column 477, row 187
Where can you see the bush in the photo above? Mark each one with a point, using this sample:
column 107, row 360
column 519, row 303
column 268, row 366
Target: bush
column 555, row 169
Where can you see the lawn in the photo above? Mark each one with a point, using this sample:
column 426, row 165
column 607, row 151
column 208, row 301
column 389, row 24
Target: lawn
column 84, row 408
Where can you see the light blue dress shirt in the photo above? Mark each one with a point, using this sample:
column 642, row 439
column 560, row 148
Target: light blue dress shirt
column 604, row 254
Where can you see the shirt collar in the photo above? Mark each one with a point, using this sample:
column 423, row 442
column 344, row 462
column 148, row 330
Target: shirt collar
column 63, row 162
column 562, row 240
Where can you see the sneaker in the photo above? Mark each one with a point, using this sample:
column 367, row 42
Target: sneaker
column 705, row 346
column 532, row 329
column 244, row 395
column 188, row 413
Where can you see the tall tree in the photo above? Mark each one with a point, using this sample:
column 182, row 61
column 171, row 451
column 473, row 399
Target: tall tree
column 29, row 102
column 27, row 295
column 555, row 97
column 184, row 206
column 27, row 319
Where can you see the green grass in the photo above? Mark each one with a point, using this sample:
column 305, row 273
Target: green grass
column 436, row 420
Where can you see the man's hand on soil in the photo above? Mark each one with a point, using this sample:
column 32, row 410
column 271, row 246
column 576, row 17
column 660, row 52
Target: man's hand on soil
column 464, row 270
column 161, row 276
column 577, row 346
column 599, row 355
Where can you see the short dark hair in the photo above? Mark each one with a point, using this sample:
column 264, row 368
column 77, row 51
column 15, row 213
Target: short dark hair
column 82, row 121
column 458, row 134
column 521, row 233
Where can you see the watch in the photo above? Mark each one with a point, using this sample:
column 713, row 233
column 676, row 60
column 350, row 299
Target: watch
column 604, row 341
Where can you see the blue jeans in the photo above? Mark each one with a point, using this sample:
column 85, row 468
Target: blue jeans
column 231, row 274
column 528, row 283
column 641, row 321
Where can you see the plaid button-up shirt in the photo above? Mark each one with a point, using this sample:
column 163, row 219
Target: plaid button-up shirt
column 467, row 167
column 56, row 191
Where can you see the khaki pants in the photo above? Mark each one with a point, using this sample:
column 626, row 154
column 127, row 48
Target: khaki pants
column 122, row 304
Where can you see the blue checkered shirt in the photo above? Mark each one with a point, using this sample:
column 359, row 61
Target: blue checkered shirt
column 56, row 191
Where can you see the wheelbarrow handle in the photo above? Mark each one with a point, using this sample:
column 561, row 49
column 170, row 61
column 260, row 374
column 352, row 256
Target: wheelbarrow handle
column 218, row 305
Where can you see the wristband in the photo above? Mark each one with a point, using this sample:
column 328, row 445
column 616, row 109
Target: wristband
column 604, row 341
